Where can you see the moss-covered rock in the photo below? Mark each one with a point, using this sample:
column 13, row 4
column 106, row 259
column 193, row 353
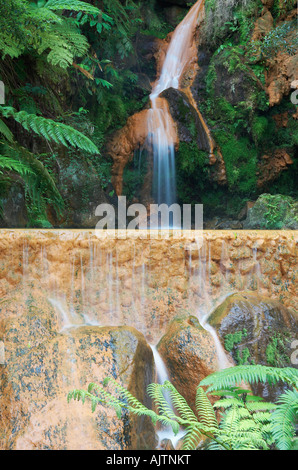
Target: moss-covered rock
column 190, row 128
column 256, row 329
column 273, row 212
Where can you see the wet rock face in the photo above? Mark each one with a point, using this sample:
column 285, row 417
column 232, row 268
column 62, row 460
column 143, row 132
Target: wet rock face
column 13, row 204
column 34, row 386
column 186, row 117
column 272, row 165
column 269, row 328
column 280, row 75
column 189, row 354
column 81, row 187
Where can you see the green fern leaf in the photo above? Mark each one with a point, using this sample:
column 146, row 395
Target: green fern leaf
column 284, row 418
column 51, row 130
column 205, row 410
column 4, row 130
column 72, row 5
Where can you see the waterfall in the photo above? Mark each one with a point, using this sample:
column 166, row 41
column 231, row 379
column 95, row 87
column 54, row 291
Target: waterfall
column 161, row 128
column 204, row 289
column 162, row 376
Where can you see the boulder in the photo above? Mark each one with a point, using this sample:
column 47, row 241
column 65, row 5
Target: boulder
column 267, row 329
column 189, row 354
column 35, row 413
column 276, row 212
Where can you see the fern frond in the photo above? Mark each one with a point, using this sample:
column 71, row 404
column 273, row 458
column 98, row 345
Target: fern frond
column 126, row 401
column 4, row 130
column 167, row 418
column 156, row 393
column 11, row 46
column 284, row 418
column 51, row 130
column 11, row 164
column 193, row 437
column 64, row 43
column 72, row 5
column 252, row 374
column 205, row 411
column 179, row 403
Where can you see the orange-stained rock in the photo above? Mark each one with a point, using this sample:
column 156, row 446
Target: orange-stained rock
column 268, row 3
column 124, row 142
column 189, row 354
column 34, row 412
column 263, row 26
column 281, row 73
column 271, row 166
column 135, row 282
column 282, row 119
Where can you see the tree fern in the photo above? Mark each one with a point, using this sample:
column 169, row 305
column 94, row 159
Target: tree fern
column 58, row 34
column 51, row 130
column 64, row 43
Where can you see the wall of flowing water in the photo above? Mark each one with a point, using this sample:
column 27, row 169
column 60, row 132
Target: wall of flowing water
column 70, row 308
column 139, row 282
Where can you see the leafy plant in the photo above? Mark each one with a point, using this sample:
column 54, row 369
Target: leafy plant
column 247, row 422
column 204, row 423
column 286, row 412
column 50, row 130
column 15, row 158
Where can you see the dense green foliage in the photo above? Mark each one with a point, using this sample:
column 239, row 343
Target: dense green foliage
column 76, row 64
column 236, row 107
column 247, row 422
column 90, row 65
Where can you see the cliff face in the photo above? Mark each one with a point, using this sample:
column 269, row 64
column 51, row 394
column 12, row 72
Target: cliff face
column 234, row 100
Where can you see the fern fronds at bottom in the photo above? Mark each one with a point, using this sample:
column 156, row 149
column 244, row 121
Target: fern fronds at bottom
column 284, row 418
column 247, row 422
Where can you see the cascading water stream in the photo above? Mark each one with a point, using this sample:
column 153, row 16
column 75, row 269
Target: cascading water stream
column 161, row 129
column 162, row 377
column 204, row 287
